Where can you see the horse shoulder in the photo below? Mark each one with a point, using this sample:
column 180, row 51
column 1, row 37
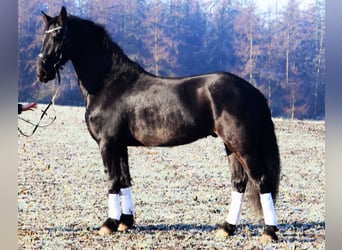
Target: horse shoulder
column 104, row 116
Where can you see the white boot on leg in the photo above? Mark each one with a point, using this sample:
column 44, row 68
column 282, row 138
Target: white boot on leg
column 127, row 216
column 127, row 201
column 235, row 208
column 270, row 217
column 114, row 213
column 233, row 217
column 268, row 209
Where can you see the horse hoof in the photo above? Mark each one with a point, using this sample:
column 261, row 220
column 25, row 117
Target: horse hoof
column 104, row 231
column 269, row 234
column 122, row 228
column 226, row 230
column 222, row 234
column 126, row 222
column 109, row 226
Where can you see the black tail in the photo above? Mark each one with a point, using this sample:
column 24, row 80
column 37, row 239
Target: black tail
column 270, row 159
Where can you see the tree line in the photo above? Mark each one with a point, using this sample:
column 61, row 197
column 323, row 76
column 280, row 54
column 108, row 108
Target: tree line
column 281, row 52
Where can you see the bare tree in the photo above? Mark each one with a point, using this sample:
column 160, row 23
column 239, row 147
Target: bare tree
column 247, row 39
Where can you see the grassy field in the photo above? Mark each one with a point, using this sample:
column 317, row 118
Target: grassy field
column 181, row 194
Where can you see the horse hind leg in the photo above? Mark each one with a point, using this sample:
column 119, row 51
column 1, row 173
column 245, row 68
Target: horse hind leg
column 115, row 160
column 247, row 169
column 239, row 181
column 262, row 189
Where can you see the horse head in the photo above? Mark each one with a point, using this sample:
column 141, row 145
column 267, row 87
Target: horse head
column 55, row 51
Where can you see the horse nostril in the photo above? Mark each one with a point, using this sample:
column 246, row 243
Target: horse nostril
column 41, row 73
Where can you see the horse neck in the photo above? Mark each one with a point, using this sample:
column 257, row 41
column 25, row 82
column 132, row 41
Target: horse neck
column 98, row 62
column 91, row 66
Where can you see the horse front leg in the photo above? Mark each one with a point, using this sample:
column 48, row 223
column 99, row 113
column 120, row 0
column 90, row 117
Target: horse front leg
column 120, row 218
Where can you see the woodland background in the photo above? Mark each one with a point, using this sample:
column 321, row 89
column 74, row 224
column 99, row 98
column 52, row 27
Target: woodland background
column 281, row 52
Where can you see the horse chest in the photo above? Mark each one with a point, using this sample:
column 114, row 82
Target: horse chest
column 103, row 123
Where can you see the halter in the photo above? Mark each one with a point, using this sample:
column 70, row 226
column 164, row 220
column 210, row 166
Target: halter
column 59, row 54
column 53, row 29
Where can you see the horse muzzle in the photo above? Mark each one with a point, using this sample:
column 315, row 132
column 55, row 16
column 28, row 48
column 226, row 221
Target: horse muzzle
column 45, row 70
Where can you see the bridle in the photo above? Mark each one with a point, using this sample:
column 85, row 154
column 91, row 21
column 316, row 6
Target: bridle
column 57, row 66
column 59, row 54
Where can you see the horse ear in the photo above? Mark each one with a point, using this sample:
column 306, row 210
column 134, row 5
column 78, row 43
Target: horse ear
column 46, row 17
column 62, row 16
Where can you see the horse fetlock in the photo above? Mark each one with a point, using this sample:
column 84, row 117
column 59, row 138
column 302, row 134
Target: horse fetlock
column 109, row 226
column 126, row 222
column 226, row 230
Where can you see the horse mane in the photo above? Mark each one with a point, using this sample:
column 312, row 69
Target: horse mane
column 98, row 31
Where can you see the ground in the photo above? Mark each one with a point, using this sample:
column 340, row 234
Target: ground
column 181, row 194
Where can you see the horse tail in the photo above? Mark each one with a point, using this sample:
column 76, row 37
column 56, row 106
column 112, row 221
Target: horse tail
column 271, row 166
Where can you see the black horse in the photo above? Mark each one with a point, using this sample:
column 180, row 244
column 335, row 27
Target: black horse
column 127, row 106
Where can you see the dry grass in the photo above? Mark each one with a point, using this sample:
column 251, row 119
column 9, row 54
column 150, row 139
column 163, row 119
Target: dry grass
column 181, row 194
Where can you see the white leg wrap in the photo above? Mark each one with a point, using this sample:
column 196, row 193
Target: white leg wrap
column 114, row 210
column 127, row 201
column 268, row 209
column 235, row 208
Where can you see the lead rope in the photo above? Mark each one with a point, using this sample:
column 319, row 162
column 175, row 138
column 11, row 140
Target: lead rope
column 58, row 66
column 44, row 112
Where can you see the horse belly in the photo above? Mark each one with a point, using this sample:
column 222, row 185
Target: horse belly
column 166, row 129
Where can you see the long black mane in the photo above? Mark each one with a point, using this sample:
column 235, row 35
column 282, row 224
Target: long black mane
column 93, row 42
column 99, row 34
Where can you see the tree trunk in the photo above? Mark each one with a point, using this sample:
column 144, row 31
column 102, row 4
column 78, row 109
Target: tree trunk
column 251, row 59
column 293, row 105
column 287, row 60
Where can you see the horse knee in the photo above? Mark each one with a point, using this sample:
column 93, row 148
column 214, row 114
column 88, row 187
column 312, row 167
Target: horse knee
column 115, row 160
column 125, row 178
